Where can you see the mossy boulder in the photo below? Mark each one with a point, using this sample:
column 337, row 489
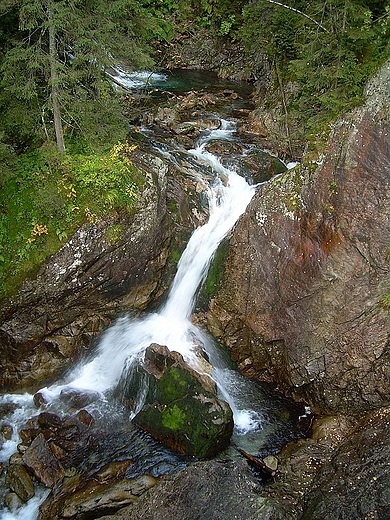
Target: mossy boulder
column 181, row 408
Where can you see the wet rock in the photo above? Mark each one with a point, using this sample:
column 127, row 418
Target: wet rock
column 13, row 501
column 6, row 431
column 7, row 408
column 75, row 398
column 85, row 418
column 92, row 499
column 355, row 482
column 40, row 459
column 184, row 128
column 181, row 408
column 202, row 51
column 113, row 471
column 48, row 420
column 331, row 430
column 40, row 400
column 298, row 463
column 221, row 490
column 308, row 268
column 18, row 480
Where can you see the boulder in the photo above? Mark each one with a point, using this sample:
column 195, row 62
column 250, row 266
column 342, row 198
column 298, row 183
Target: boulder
column 181, row 407
column 215, row 489
column 355, row 482
column 302, row 302
column 83, row 498
column 75, row 398
column 19, row 480
column 40, row 460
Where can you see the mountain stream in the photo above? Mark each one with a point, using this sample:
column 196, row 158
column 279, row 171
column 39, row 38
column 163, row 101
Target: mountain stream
column 263, row 422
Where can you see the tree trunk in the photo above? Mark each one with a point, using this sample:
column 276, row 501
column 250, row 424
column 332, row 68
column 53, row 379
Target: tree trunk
column 54, row 84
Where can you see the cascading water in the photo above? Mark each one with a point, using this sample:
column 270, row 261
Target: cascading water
column 123, row 344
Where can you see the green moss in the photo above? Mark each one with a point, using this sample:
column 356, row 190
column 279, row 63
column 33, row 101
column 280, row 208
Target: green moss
column 290, row 183
column 173, row 384
column 215, row 276
column 173, row 418
column 114, row 233
column 384, row 302
column 333, row 187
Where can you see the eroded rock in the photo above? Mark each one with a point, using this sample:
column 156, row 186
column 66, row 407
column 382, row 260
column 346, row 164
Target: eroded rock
column 92, row 498
column 299, row 305
column 41, row 461
column 19, row 480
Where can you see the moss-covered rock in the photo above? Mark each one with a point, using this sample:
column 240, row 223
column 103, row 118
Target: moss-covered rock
column 181, row 407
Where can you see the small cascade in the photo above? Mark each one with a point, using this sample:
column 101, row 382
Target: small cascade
column 124, row 343
column 122, row 346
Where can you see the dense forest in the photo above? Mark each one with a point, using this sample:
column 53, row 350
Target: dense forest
column 63, row 151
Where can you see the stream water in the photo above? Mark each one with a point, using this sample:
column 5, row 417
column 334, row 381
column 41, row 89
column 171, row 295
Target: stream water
column 262, row 421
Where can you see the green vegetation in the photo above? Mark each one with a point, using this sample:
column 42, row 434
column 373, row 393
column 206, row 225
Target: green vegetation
column 45, row 197
column 62, row 119
column 384, row 302
column 328, row 50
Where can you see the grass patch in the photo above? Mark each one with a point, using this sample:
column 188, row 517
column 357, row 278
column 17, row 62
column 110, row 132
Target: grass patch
column 44, row 198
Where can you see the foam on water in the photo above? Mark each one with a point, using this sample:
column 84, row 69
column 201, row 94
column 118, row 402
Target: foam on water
column 126, row 340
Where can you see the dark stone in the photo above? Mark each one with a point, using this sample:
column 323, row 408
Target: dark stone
column 40, row 459
column 212, row 490
column 6, row 431
column 85, row 418
column 39, row 400
column 355, row 482
column 19, row 481
column 49, row 420
column 75, row 398
column 181, row 408
column 113, row 471
column 13, row 501
column 82, row 499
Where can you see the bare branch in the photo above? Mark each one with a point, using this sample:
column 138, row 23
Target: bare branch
column 298, row 12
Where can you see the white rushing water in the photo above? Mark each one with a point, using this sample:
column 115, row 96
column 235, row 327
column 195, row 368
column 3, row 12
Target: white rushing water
column 228, row 195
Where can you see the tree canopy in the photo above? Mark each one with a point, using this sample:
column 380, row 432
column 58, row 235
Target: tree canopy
column 56, row 53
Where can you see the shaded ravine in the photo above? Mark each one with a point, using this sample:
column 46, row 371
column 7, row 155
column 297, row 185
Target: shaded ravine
column 123, row 344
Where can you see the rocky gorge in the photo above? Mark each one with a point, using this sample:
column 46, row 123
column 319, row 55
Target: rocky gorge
column 300, row 303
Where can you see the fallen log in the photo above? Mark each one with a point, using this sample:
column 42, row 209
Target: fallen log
column 257, row 463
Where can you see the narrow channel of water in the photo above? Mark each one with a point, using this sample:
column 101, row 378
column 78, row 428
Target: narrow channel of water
column 124, row 343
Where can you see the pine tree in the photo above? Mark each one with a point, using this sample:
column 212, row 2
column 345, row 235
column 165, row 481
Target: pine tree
column 55, row 59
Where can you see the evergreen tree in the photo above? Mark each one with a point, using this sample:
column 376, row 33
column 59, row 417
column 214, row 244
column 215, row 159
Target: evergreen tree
column 56, row 53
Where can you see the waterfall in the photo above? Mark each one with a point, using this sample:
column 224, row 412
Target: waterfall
column 124, row 343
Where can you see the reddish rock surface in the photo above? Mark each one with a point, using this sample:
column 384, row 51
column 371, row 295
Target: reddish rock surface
column 300, row 302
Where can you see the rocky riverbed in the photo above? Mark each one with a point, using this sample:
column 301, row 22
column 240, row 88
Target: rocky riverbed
column 300, row 302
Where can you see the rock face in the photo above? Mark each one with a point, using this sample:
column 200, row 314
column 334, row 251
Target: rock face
column 181, row 407
column 218, row 490
column 204, row 52
column 355, row 483
column 113, row 264
column 303, row 300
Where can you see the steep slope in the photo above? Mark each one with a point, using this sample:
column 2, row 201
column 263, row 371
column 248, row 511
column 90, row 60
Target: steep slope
column 302, row 303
